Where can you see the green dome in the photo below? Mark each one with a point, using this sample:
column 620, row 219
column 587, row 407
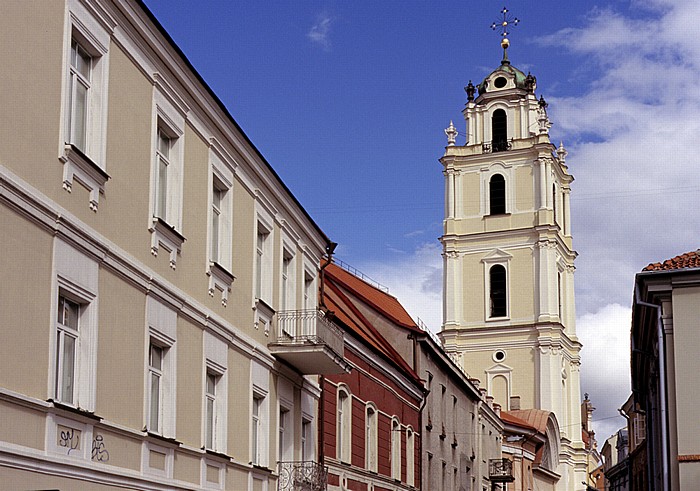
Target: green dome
column 522, row 81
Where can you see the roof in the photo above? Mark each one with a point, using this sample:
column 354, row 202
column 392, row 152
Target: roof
column 509, row 418
column 684, row 261
column 387, row 305
column 349, row 317
column 537, row 418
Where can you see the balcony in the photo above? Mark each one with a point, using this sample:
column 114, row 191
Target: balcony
column 497, row 146
column 307, row 340
column 501, row 470
column 302, row 476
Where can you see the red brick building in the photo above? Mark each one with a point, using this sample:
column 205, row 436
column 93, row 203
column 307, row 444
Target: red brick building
column 369, row 433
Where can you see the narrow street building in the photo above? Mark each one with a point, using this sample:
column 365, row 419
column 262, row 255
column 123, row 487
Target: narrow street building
column 150, row 256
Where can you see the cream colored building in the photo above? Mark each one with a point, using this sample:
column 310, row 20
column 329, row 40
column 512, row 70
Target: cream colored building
column 154, row 267
column 664, row 351
column 509, row 260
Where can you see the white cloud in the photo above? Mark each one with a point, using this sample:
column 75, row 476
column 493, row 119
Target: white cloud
column 320, row 31
column 605, row 364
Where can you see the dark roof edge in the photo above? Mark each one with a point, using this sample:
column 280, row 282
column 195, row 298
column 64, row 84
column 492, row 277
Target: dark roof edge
column 225, row 110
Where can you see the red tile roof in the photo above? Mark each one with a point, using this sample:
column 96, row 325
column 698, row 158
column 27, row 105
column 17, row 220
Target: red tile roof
column 387, row 305
column 508, row 417
column 537, row 418
column 350, row 317
column 687, row 260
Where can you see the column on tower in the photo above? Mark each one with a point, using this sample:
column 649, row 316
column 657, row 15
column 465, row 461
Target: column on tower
column 449, row 193
column 452, row 313
column 546, row 288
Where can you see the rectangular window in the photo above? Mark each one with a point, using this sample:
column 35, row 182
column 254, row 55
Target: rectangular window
column 210, row 404
column 256, row 429
column 309, row 297
column 306, row 440
column 260, row 250
column 284, row 415
column 163, row 161
column 285, row 287
column 155, row 379
column 66, row 349
column 217, row 195
column 78, row 94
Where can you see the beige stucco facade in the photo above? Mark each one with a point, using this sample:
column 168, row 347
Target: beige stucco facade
column 508, row 258
column 157, row 366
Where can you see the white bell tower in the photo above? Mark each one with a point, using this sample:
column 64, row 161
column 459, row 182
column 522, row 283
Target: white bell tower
column 508, row 309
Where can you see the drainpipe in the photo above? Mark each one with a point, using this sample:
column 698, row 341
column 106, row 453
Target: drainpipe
column 662, row 389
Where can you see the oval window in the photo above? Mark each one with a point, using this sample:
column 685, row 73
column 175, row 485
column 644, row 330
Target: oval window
column 500, row 82
column 499, row 355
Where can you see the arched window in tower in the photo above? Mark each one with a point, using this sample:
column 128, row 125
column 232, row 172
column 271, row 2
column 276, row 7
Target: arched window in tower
column 499, row 131
column 497, row 284
column 497, row 195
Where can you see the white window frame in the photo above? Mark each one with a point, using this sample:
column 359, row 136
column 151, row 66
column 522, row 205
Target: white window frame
column 343, row 425
column 496, row 257
column 168, row 118
column 263, row 260
column 155, row 373
column 216, row 364
column 219, row 265
column 161, row 331
column 77, row 280
column 287, row 278
column 395, row 429
column 310, row 292
column 307, row 439
column 410, row 456
column 91, row 27
column 259, row 447
column 486, row 173
column 371, row 439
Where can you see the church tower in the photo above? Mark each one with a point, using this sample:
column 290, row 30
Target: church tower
column 508, row 302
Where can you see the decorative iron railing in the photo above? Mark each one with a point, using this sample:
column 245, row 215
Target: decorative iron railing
column 302, row 476
column 497, row 146
column 501, row 470
column 296, row 327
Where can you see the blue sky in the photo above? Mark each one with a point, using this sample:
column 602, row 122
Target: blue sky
column 348, row 101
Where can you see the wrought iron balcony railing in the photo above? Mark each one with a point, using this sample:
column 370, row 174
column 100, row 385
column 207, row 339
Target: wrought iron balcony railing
column 497, row 146
column 501, row 470
column 302, row 476
column 304, row 327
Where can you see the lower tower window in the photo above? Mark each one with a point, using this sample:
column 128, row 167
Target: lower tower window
column 497, row 284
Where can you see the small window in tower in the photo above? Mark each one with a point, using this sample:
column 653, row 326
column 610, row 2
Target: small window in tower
column 500, row 82
column 497, row 195
column 497, row 277
column 499, row 131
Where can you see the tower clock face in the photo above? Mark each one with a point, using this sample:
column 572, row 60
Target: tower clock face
column 500, row 82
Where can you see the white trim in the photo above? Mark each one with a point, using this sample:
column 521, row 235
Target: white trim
column 161, row 330
column 168, row 453
column 343, row 425
column 76, row 276
column 221, row 470
column 502, row 258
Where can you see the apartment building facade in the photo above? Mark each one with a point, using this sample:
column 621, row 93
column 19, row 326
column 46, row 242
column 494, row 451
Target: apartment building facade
column 163, row 278
column 371, row 438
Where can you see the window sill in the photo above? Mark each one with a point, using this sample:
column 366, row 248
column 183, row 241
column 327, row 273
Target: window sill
column 75, row 410
column 498, row 319
column 220, row 279
column 78, row 166
column 164, row 439
column 496, row 215
column 164, row 235
column 214, row 453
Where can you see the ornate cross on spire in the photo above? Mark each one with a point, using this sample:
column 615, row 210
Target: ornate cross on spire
column 503, row 25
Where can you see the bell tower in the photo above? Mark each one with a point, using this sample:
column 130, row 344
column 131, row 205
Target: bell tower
column 508, row 299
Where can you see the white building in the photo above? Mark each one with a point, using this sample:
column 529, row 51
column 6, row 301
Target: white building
column 509, row 260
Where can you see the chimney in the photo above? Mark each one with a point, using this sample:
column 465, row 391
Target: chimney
column 489, row 401
column 497, row 409
column 482, row 391
column 515, row 403
column 475, row 382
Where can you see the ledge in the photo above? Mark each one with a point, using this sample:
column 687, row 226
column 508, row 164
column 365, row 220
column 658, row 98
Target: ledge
column 164, row 235
column 75, row 410
column 77, row 165
column 220, row 279
column 163, row 439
